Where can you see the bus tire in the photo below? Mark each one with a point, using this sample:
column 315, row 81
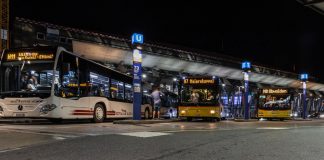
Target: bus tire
column 218, row 119
column 99, row 113
column 189, row 119
column 146, row 114
column 281, row 119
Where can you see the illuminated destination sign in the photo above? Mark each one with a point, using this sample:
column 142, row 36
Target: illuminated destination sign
column 275, row 91
column 21, row 56
column 198, row 81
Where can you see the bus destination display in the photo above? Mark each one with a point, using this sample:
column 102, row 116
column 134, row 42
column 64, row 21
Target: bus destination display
column 198, row 81
column 22, row 56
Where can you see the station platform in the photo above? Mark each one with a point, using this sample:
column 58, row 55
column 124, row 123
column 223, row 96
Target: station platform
column 244, row 120
column 151, row 121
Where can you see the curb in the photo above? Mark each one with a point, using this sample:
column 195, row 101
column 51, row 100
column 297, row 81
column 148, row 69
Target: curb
column 301, row 119
column 16, row 121
column 144, row 121
column 243, row 120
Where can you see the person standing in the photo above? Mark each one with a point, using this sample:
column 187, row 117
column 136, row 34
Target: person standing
column 156, row 95
column 194, row 97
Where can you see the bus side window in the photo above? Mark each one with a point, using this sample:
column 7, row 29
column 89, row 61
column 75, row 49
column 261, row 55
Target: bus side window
column 99, row 85
column 68, row 74
column 128, row 92
column 117, row 89
column 83, row 78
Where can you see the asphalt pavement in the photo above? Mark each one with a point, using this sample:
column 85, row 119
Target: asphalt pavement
column 175, row 140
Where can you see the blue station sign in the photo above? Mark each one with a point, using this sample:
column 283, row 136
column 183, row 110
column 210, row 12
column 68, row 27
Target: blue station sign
column 137, row 38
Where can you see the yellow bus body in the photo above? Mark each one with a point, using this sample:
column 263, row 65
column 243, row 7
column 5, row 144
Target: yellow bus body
column 274, row 113
column 200, row 111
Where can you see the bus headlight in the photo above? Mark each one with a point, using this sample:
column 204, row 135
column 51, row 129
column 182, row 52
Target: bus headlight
column 212, row 111
column 183, row 112
column 48, row 107
column 293, row 115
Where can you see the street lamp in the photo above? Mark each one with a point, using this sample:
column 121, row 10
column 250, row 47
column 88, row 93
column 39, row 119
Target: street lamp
column 304, row 78
column 246, row 66
column 137, row 41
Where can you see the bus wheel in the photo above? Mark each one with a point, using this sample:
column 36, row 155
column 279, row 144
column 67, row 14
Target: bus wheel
column 99, row 113
column 147, row 114
column 189, row 119
column 281, row 119
column 218, row 119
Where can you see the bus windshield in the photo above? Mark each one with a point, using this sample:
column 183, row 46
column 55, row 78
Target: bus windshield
column 26, row 78
column 274, row 102
column 197, row 95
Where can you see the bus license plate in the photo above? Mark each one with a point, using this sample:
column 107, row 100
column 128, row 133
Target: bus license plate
column 20, row 114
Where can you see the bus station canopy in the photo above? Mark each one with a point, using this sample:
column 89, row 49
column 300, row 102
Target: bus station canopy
column 106, row 53
column 317, row 5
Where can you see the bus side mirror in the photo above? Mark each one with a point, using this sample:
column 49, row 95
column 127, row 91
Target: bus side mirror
column 65, row 68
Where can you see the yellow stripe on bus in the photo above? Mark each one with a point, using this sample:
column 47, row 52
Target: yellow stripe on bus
column 274, row 113
column 199, row 111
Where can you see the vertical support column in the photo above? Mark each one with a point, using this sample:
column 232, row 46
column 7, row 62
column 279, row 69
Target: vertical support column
column 304, row 101
column 304, row 78
column 246, row 66
column 246, row 96
column 137, row 40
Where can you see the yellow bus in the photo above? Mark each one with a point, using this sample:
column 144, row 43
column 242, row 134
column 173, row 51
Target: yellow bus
column 274, row 103
column 198, row 98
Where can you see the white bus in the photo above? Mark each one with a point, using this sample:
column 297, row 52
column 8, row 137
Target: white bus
column 55, row 84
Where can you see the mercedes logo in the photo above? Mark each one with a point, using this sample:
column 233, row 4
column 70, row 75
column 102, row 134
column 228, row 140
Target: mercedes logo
column 20, row 107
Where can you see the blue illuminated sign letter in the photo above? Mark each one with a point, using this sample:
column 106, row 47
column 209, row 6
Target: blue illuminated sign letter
column 137, row 38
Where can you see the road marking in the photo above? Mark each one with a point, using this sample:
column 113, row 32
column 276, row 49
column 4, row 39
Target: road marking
column 60, row 134
column 145, row 134
column 58, row 138
column 272, row 128
column 8, row 150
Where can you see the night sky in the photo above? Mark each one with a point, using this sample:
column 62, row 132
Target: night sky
column 276, row 33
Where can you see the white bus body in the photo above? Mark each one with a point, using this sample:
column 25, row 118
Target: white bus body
column 18, row 104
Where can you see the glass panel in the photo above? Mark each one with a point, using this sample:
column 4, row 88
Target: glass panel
column 68, row 76
column 21, row 77
column 197, row 95
column 274, row 102
column 84, row 77
column 99, row 85
column 128, row 92
column 117, row 89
